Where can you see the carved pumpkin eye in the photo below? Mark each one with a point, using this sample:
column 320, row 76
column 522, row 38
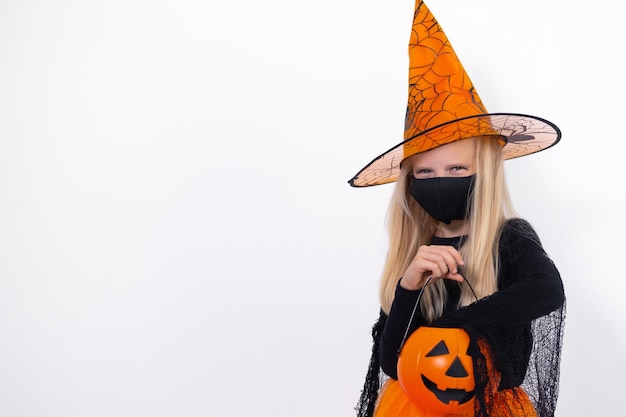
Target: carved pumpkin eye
column 436, row 372
column 457, row 370
column 438, row 350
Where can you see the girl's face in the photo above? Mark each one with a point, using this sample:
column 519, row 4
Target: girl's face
column 456, row 159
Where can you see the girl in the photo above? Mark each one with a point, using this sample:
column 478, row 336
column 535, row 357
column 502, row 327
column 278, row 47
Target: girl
column 450, row 222
column 458, row 257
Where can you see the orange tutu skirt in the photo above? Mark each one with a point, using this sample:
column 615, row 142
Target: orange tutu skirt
column 393, row 402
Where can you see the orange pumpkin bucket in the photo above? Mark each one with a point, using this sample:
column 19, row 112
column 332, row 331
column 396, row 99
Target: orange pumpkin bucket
column 436, row 372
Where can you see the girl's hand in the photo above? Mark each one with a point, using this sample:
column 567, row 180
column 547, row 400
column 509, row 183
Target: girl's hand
column 434, row 261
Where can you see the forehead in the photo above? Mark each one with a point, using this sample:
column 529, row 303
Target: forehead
column 462, row 151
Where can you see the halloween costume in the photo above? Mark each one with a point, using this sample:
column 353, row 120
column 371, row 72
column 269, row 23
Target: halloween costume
column 514, row 336
column 523, row 331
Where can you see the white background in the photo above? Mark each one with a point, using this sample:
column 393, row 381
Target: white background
column 177, row 235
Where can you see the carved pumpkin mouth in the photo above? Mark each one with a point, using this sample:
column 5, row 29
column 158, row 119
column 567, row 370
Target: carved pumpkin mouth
column 450, row 394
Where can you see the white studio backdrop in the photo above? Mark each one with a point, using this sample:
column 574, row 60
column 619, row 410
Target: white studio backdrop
column 177, row 235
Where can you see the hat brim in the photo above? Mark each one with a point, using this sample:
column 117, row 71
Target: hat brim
column 524, row 135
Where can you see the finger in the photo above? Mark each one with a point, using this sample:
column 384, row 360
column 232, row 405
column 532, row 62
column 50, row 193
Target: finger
column 446, row 261
column 435, row 269
column 452, row 257
column 454, row 254
column 455, row 277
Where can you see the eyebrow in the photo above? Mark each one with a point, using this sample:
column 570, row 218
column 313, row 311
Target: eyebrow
column 449, row 165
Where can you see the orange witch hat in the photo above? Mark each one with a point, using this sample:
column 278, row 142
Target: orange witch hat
column 443, row 107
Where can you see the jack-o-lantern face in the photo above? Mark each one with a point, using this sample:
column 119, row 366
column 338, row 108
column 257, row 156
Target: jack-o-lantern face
column 436, row 372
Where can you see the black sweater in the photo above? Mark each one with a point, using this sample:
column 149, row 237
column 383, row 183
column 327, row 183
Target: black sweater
column 529, row 286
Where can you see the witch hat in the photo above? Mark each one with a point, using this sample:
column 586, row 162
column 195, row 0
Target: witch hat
column 443, row 107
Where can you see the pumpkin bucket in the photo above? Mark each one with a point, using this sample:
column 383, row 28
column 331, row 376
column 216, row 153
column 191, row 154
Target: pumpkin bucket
column 436, row 372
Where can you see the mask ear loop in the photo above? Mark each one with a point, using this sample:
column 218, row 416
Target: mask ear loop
column 417, row 302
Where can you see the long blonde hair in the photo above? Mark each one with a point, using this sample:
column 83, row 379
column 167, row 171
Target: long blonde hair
column 410, row 227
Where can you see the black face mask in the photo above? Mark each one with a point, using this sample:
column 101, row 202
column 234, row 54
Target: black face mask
column 444, row 198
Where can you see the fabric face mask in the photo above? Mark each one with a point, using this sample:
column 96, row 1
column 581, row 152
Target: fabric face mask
column 444, row 198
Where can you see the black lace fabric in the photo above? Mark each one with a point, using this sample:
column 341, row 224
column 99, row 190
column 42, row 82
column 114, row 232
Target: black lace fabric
column 542, row 377
column 374, row 378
